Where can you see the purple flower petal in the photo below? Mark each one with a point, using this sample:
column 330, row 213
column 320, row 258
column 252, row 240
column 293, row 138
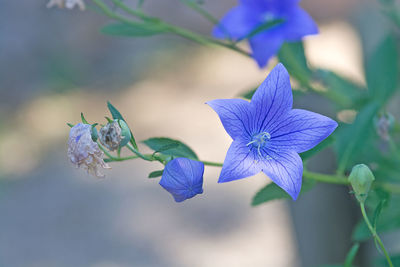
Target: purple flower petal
column 269, row 4
column 286, row 170
column 264, row 46
column 234, row 115
column 243, row 19
column 240, row 162
column 300, row 130
column 183, row 178
column 298, row 25
column 237, row 23
column 272, row 99
column 268, row 135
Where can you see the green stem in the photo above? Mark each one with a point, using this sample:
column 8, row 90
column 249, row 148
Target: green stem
column 210, row 163
column 122, row 158
column 140, row 155
column 106, row 152
column 329, row 179
column 389, row 187
column 201, row 11
column 137, row 13
column 325, row 178
column 198, row 38
column 375, row 235
column 111, row 158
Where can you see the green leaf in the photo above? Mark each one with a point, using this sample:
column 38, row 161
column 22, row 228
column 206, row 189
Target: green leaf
column 352, row 138
column 83, row 119
column 248, row 94
column 293, row 57
column 382, row 70
column 321, row 146
column 114, row 112
column 176, row 149
column 382, row 262
column 389, row 220
column 108, row 119
column 70, row 125
column 156, row 174
column 351, row 255
column 133, row 29
column 167, row 147
column 345, row 92
column 272, row 192
column 382, row 204
column 117, row 115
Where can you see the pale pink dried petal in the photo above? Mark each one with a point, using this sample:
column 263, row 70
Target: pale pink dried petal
column 83, row 151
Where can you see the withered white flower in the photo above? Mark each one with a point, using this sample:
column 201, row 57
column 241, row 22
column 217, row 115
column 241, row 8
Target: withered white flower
column 110, row 135
column 70, row 4
column 83, row 151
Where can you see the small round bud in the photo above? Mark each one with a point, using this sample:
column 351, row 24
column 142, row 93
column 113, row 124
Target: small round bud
column 115, row 134
column 125, row 133
column 110, row 135
column 361, row 179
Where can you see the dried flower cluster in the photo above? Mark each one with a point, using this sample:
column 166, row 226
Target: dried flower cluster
column 83, row 151
column 70, row 4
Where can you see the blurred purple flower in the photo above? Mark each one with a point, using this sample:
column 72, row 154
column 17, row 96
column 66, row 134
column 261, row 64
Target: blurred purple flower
column 183, row 178
column 83, row 152
column 268, row 134
column 249, row 15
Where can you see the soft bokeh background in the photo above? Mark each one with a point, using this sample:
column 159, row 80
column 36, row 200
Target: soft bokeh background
column 55, row 64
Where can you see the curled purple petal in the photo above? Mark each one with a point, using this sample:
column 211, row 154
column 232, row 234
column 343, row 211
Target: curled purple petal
column 183, row 178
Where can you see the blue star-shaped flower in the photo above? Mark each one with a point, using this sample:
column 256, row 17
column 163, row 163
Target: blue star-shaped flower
column 249, row 15
column 268, row 134
column 183, row 178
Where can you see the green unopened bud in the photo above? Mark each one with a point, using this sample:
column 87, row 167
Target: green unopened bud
column 94, row 133
column 361, row 179
column 125, row 133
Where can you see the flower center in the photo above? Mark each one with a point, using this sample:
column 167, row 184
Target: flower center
column 269, row 16
column 259, row 141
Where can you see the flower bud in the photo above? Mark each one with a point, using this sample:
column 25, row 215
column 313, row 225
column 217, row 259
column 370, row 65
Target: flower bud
column 125, row 133
column 110, row 135
column 183, row 178
column 361, row 179
column 83, row 152
column 115, row 134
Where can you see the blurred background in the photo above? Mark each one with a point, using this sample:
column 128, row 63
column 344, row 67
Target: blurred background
column 55, row 64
